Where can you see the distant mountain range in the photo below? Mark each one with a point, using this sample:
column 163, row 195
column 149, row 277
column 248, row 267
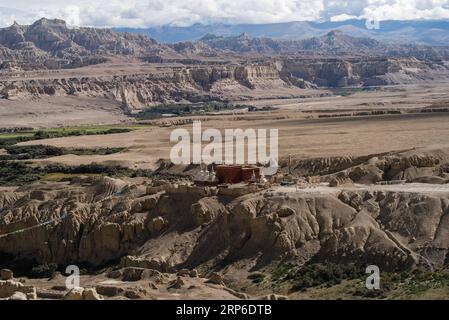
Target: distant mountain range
column 51, row 44
column 333, row 44
column 423, row 32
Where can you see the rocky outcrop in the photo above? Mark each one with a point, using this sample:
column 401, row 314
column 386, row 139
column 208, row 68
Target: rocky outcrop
column 390, row 229
column 51, row 44
column 429, row 166
column 334, row 60
column 92, row 225
column 368, row 71
column 245, row 75
column 143, row 90
column 6, row 274
column 132, row 91
column 16, row 290
column 216, row 278
column 321, row 228
column 86, row 294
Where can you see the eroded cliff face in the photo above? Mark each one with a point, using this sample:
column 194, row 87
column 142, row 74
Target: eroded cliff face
column 132, row 91
column 169, row 227
column 361, row 71
column 223, row 82
column 245, row 75
column 205, row 83
column 142, row 90
column 426, row 166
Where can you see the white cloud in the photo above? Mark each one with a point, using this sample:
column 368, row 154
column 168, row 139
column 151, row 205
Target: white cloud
column 343, row 17
column 407, row 9
column 144, row 13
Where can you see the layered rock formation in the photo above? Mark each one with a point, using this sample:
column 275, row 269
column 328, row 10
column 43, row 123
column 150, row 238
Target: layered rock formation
column 428, row 166
column 362, row 71
column 205, row 83
column 97, row 220
column 140, row 90
column 334, row 60
column 51, row 44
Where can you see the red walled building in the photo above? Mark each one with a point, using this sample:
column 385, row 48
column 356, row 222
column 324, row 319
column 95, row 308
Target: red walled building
column 235, row 174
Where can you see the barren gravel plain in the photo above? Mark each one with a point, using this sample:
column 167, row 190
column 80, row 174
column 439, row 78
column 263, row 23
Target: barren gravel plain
column 312, row 127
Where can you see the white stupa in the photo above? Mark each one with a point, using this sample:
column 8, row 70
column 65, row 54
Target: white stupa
column 262, row 178
column 272, row 169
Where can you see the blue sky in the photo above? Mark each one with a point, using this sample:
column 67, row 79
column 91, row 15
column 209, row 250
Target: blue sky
column 146, row 13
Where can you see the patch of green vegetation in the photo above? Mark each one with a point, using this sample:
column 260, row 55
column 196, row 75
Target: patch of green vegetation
column 44, row 270
column 21, row 173
column 43, row 152
column 186, row 109
column 324, row 274
column 15, row 173
column 324, row 282
column 9, row 139
column 407, row 285
column 96, row 169
column 6, row 136
column 94, row 151
column 421, row 281
column 348, row 281
column 314, row 275
column 51, row 134
column 31, row 152
column 257, row 277
column 282, row 271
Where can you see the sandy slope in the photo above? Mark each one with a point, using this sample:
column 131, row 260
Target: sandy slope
column 59, row 112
